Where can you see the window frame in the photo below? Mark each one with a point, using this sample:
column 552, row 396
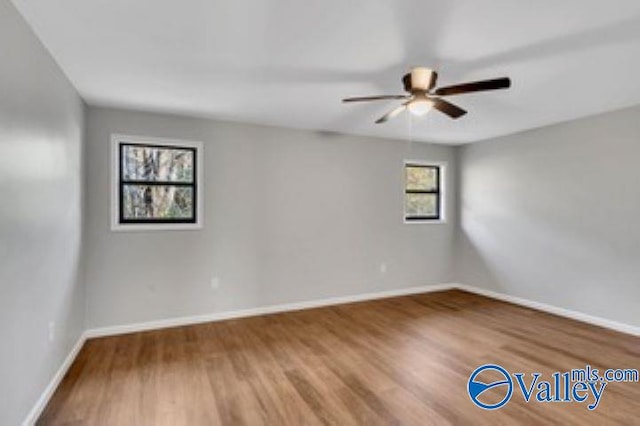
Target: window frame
column 117, row 183
column 441, row 218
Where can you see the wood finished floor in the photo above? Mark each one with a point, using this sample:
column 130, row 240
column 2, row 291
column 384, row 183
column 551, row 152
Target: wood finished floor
column 403, row 360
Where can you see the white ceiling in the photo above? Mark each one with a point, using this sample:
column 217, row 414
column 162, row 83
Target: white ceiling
column 289, row 62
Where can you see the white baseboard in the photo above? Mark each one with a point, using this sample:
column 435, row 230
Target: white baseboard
column 288, row 307
column 42, row 402
column 296, row 306
column 251, row 312
column 567, row 313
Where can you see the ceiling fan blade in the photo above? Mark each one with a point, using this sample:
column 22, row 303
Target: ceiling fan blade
column 374, row 98
column 391, row 114
column 448, row 108
column 476, row 86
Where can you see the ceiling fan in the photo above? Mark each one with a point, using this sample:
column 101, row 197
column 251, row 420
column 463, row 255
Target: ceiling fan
column 422, row 96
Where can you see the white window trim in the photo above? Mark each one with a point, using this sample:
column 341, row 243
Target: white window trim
column 443, row 192
column 115, row 199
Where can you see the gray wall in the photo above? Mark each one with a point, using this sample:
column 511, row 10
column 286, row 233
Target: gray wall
column 41, row 132
column 290, row 215
column 552, row 215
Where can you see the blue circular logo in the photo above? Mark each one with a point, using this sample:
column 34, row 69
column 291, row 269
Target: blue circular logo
column 476, row 388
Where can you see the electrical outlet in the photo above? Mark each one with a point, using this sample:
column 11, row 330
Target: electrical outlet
column 52, row 331
column 215, row 283
column 383, row 268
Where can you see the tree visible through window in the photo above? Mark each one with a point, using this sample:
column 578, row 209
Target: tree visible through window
column 422, row 192
column 157, row 183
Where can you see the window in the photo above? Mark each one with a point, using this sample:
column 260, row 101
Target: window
column 423, row 201
column 155, row 183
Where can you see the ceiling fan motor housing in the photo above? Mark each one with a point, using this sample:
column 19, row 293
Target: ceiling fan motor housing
column 419, row 79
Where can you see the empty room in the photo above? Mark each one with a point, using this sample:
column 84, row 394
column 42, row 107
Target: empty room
column 321, row 212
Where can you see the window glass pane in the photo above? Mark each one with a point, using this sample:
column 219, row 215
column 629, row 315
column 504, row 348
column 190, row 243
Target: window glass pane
column 421, row 178
column 157, row 202
column 159, row 164
column 425, row 205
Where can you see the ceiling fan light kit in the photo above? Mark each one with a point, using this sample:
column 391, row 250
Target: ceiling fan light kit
column 420, row 105
column 422, row 98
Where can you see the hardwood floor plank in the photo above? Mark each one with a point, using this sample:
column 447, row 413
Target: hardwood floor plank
column 397, row 361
